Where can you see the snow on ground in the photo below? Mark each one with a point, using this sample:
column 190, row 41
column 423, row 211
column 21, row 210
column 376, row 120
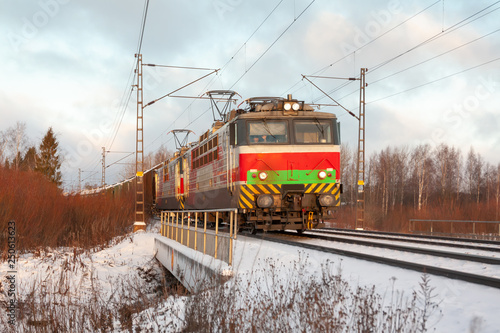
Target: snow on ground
column 117, row 267
column 461, row 302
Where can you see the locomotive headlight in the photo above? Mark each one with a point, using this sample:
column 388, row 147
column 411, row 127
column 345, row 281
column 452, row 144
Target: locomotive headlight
column 265, row 201
column 262, row 175
column 327, row 200
column 287, row 106
column 296, row 106
column 322, row 174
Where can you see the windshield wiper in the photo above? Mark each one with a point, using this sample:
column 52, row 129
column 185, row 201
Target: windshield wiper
column 320, row 127
column 266, row 127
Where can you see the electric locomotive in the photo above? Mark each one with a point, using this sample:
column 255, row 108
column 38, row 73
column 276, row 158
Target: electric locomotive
column 277, row 161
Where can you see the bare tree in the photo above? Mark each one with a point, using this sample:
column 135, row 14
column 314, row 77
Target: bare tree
column 498, row 189
column 400, row 162
column 447, row 162
column 474, row 173
column 347, row 172
column 422, row 173
column 16, row 142
column 161, row 155
column 3, row 145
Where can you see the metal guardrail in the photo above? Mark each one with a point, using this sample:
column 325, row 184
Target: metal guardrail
column 411, row 225
column 177, row 225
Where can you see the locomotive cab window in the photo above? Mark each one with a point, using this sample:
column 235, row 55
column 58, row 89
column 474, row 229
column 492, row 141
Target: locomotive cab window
column 267, row 132
column 313, row 131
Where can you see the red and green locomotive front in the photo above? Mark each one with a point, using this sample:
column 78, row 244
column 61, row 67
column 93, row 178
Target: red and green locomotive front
column 289, row 165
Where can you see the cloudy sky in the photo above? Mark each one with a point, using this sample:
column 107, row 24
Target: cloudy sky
column 433, row 69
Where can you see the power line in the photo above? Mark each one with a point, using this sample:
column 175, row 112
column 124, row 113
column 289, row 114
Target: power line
column 127, row 94
column 253, row 33
column 124, row 102
column 418, row 64
column 432, row 58
column 366, row 44
column 440, row 79
column 144, row 17
column 454, row 27
column 221, row 71
column 273, row 43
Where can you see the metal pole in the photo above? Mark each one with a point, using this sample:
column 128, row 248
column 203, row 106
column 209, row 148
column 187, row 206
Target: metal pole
column 139, row 223
column 360, row 201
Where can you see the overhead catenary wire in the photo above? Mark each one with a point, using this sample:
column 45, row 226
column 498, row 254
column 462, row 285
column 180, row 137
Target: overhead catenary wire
column 418, row 64
column 439, row 35
column 273, row 43
column 434, row 81
column 323, row 69
column 454, row 27
column 224, row 67
column 126, row 96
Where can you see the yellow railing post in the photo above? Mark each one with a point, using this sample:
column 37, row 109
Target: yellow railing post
column 231, row 238
column 176, row 226
column 195, row 231
column 226, row 237
column 216, row 233
column 205, row 235
column 188, row 228
column 182, row 228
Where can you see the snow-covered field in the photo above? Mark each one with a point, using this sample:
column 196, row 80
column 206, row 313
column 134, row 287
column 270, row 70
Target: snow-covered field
column 90, row 283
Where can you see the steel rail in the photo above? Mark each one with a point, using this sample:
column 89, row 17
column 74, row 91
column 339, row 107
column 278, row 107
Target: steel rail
column 454, row 239
column 435, row 253
column 409, row 239
column 449, row 273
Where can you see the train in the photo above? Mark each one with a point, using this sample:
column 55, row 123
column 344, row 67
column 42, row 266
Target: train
column 275, row 160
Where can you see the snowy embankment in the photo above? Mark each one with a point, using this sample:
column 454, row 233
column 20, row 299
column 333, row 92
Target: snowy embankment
column 276, row 287
column 67, row 290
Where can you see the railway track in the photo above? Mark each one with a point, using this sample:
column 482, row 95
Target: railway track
column 412, row 249
column 449, row 241
column 310, row 241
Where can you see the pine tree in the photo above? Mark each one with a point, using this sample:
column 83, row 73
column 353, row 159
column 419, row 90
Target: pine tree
column 48, row 162
column 28, row 162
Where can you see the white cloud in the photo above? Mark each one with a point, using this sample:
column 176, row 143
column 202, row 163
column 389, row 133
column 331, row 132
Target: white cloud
column 72, row 62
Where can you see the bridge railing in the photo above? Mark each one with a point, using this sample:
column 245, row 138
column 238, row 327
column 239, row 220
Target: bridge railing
column 452, row 227
column 189, row 228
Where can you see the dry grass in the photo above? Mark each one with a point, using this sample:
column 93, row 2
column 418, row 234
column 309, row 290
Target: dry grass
column 297, row 302
column 48, row 219
column 72, row 302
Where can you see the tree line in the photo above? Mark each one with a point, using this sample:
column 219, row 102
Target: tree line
column 422, row 177
column 16, row 153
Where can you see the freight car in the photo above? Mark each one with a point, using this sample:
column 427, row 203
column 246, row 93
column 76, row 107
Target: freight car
column 276, row 160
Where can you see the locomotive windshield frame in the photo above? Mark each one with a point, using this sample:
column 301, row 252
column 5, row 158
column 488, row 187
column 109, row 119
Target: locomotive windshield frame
column 285, row 130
